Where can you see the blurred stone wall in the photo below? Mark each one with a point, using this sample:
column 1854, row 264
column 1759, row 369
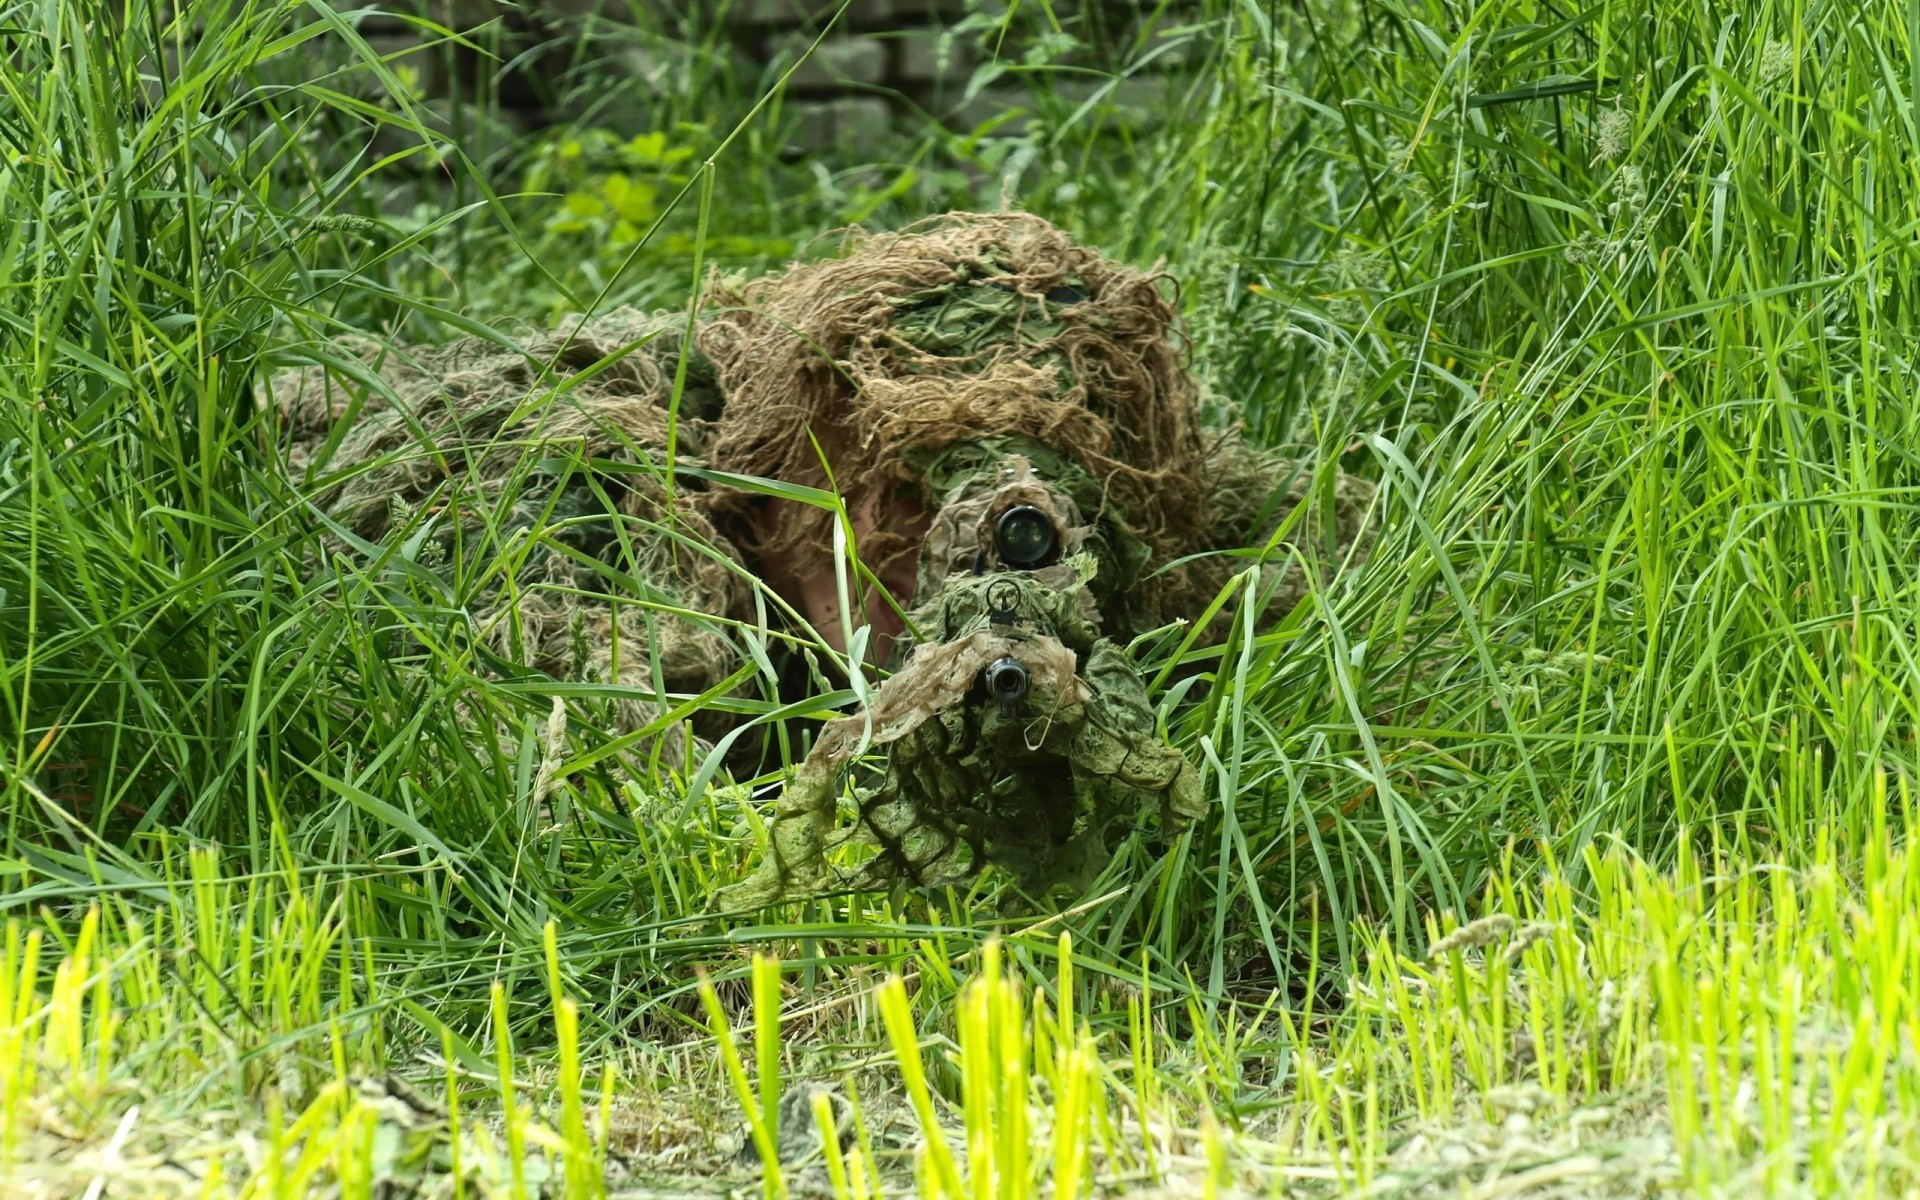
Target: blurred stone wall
column 881, row 63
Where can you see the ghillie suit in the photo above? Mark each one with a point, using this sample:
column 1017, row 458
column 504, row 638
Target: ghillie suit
column 548, row 484
column 998, row 408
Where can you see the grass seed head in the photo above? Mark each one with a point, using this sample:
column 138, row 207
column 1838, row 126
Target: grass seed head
column 1777, row 61
column 1614, row 135
column 1474, row 935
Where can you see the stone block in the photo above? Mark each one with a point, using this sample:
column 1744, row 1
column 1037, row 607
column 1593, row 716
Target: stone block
column 918, row 60
column 860, row 14
column 1136, row 101
column 483, row 130
column 861, row 122
column 837, row 64
column 466, row 16
column 574, row 12
column 812, row 129
column 849, row 123
column 1006, row 107
column 388, row 45
column 376, row 20
column 876, row 14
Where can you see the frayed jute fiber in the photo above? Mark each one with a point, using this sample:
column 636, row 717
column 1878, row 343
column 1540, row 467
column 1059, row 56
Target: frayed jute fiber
column 965, row 327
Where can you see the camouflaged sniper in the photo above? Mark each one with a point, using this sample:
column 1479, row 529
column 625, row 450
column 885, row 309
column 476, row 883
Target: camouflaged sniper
column 1009, row 422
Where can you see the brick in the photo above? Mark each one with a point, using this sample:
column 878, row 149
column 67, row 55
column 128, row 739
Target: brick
column 861, row 14
column 770, row 12
column 624, row 110
column 1135, row 101
column 849, row 123
column 875, row 14
column 812, row 129
column 369, row 23
column 386, row 45
column 578, row 11
column 462, row 15
column 992, row 104
column 835, row 64
column 861, row 122
column 918, row 62
column 486, row 130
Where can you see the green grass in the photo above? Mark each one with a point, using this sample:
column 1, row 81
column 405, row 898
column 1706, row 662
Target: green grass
column 1719, row 1027
column 1616, row 304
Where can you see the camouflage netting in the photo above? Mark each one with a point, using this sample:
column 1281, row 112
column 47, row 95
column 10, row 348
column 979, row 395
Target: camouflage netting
column 945, row 372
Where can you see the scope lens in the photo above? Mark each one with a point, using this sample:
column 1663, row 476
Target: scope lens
column 1026, row 538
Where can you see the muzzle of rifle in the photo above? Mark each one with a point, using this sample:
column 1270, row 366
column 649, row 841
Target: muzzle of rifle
column 1007, row 682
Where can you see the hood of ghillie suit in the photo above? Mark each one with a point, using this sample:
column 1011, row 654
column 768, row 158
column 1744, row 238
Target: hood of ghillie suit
column 965, row 329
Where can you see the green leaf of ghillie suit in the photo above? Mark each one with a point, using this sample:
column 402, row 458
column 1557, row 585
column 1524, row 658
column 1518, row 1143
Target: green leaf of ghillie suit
column 949, row 374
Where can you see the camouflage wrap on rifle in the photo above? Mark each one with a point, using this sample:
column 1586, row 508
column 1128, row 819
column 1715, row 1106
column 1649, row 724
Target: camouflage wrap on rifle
column 1037, row 786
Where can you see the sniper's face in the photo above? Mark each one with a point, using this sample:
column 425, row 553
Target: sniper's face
column 979, row 507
